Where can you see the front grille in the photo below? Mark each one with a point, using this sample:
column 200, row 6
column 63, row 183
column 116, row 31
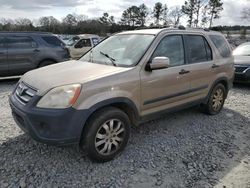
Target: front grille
column 240, row 69
column 24, row 93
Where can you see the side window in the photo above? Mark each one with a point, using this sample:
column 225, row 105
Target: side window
column 196, row 49
column 171, row 47
column 83, row 43
column 221, row 44
column 21, row 42
column 1, row 42
column 53, row 41
column 209, row 51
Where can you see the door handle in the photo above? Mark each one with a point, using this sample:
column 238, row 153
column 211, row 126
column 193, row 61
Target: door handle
column 2, row 53
column 215, row 66
column 36, row 50
column 183, row 71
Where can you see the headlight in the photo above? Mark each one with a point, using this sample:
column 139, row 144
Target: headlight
column 60, row 97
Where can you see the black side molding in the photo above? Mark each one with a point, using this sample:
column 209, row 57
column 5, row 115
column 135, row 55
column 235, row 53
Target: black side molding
column 174, row 95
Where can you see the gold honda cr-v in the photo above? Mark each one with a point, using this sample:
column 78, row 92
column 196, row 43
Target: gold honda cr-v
column 126, row 79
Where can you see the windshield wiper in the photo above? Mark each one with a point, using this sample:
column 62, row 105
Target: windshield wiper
column 112, row 60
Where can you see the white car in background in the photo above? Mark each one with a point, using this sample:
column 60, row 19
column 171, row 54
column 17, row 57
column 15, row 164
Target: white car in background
column 84, row 43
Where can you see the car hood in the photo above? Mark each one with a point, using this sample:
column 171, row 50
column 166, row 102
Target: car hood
column 70, row 72
column 242, row 60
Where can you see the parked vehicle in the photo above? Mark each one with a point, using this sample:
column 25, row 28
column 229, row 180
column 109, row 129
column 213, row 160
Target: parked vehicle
column 72, row 41
column 23, row 51
column 65, row 38
column 82, row 45
column 126, row 79
column 242, row 63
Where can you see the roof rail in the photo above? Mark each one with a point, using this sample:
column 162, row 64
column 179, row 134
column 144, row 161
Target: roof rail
column 181, row 27
column 199, row 28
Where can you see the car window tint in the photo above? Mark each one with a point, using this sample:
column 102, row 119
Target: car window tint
column 53, row 41
column 221, row 44
column 209, row 51
column 1, row 42
column 171, row 47
column 196, row 49
column 21, row 42
column 83, row 43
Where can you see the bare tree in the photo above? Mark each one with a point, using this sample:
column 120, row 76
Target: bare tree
column 175, row 15
column 70, row 20
column 215, row 7
column 49, row 23
column 205, row 16
column 23, row 21
column 165, row 16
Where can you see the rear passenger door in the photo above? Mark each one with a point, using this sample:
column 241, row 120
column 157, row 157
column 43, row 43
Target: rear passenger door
column 23, row 53
column 200, row 58
column 3, row 58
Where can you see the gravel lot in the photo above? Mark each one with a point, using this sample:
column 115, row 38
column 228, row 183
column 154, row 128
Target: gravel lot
column 184, row 149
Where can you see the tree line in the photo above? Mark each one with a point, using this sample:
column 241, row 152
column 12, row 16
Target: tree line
column 199, row 13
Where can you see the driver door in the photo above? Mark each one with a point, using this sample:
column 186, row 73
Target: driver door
column 166, row 88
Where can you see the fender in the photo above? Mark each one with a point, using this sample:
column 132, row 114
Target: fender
column 115, row 102
column 221, row 79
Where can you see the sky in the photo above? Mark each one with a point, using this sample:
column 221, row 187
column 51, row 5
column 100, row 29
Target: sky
column 33, row 9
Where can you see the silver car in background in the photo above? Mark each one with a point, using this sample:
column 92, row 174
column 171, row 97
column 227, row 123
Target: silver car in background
column 242, row 63
column 83, row 45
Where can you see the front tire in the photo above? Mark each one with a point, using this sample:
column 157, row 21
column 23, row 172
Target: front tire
column 106, row 134
column 216, row 100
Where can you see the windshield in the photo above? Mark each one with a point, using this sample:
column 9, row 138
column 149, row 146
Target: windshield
column 72, row 41
column 124, row 50
column 243, row 50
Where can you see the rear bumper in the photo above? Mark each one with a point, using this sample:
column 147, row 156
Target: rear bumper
column 57, row 127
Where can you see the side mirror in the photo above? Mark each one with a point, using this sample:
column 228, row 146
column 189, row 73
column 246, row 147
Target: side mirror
column 158, row 63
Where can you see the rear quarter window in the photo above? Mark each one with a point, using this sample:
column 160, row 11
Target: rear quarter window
column 53, row 41
column 221, row 45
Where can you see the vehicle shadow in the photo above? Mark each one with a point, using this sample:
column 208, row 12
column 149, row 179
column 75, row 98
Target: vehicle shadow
column 241, row 85
column 184, row 149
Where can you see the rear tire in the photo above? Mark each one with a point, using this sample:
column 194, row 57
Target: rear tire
column 106, row 134
column 216, row 100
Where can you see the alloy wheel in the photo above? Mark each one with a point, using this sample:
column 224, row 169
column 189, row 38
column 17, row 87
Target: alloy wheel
column 218, row 99
column 109, row 137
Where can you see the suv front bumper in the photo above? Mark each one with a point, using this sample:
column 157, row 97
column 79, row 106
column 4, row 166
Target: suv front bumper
column 243, row 77
column 50, row 126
